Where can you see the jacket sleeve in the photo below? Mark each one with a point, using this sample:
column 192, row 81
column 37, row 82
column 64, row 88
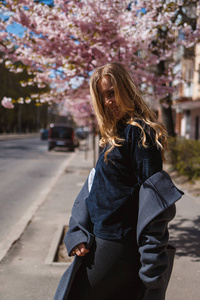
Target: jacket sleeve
column 153, row 243
column 146, row 161
column 80, row 225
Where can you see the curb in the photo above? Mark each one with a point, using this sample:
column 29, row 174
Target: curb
column 18, row 136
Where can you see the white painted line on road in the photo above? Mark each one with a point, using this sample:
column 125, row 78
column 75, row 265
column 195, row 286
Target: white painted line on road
column 22, row 224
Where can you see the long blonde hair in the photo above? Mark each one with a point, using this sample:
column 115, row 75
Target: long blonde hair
column 130, row 103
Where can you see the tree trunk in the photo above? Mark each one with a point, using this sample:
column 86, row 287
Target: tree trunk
column 166, row 107
column 167, row 119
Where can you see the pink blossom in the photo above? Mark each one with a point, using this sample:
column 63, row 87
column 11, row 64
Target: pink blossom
column 74, row 37
column 7, row 102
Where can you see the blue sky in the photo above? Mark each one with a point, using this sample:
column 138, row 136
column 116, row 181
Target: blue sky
column 15, row 27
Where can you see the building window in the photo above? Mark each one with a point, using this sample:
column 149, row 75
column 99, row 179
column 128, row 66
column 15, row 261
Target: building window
column 187, row 122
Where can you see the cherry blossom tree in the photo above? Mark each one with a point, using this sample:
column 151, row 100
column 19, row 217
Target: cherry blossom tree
column 69, row 39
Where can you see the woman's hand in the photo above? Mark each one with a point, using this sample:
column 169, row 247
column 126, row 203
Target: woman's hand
column 79, row 250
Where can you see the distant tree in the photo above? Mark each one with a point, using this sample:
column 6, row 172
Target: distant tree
column 30, row 115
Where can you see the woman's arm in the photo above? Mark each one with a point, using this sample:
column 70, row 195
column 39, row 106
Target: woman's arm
column 153, row 244
column 80, row 226
column 154, row 237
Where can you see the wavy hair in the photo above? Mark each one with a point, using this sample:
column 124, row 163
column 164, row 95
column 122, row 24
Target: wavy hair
column 131, row 104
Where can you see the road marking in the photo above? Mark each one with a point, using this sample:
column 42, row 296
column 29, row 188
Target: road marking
column 24, row 221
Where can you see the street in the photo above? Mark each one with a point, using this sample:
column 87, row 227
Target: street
column 26, row 169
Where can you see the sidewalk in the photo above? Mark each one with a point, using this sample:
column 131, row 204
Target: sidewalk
column 29, row 272
column 185, row 236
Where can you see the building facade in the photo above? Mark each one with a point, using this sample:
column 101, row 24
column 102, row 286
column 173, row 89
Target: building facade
column 186, row 100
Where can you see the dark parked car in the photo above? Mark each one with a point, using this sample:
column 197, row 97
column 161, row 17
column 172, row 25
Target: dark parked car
column 62, row 135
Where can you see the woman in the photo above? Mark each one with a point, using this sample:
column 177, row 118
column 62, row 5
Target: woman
column 114, row 267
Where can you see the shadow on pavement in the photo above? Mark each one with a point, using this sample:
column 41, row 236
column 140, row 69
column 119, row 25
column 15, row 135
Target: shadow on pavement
column 185, row 236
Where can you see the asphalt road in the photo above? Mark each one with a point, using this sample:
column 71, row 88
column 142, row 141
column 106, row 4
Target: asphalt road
column 27, row 169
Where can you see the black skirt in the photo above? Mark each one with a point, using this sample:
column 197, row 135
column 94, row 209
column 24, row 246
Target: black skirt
column 109, row 272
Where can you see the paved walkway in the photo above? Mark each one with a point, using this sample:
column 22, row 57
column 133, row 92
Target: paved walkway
column 185, row 236
column 28, row 271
